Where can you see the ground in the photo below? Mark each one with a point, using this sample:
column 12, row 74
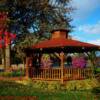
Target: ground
column 28, row 88
column 88, row 89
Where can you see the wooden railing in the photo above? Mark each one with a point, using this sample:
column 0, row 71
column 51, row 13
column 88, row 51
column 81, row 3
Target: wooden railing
column 68, row 73
column 51, row 73
column 77, row 73
column 47, row 74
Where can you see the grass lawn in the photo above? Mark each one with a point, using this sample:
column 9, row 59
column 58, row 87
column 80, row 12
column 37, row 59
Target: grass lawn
column 10, row 88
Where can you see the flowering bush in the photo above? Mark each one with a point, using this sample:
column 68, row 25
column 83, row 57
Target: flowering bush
column 79, row 62
column 46, row 61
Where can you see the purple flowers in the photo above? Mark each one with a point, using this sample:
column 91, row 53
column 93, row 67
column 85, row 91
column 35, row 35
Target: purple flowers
column 79, row 62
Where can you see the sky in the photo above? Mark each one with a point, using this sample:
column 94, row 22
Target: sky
column 86, row 20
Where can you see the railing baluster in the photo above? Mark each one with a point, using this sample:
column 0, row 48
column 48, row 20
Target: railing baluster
column 51, row 74
column 59, row 73
column 84, row 74
column 48, row 73
column 39, row 73
column 54, row 73
column 44, row 76
column 71, row 75
column 43, row 73
column 80, row 73
column 68, row 73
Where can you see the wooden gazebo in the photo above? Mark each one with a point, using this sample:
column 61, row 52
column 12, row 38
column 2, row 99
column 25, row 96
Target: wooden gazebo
column 60, row 43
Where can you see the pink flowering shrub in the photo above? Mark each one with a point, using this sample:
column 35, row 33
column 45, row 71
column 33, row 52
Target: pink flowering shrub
column 46, row 61
column 79, row 62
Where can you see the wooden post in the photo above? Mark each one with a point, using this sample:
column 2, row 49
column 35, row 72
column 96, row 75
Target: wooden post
column 62, row 67
column 40, row 55
column 26, row 68
column 29, row 69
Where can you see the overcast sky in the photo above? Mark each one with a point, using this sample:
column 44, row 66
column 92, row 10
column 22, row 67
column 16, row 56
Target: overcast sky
column 86, row 19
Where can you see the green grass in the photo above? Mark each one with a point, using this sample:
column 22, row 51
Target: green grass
column 10, row 88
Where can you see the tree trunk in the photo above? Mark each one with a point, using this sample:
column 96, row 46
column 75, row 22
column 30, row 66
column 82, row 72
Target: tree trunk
column 7, row 56
column 3, row 58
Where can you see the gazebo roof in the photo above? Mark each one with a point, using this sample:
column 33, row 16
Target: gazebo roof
column 60, row 39
column 63, row 43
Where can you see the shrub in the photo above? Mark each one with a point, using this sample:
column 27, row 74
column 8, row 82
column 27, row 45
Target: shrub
column 46, row 61
column 82, row 84
column 43, row 85
column 79, row 62
column 6, row 74
column 40, row 84
column 54, row 86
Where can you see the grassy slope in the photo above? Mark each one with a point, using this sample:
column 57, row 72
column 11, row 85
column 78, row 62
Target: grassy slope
column 17, row 89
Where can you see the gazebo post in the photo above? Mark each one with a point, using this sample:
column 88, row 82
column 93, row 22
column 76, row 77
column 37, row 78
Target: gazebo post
column 62, row 66
column 26, row 69
column 40, row 55
column 29, row 69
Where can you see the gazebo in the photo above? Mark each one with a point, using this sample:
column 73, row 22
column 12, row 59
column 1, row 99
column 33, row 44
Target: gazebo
column 58, row 44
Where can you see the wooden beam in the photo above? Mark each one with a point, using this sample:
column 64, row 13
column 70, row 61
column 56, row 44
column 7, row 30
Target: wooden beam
column 29, row 67
column 26, row 68
column 62, row 66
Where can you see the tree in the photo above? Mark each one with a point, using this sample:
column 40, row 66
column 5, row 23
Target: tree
column 92, row 58
column 41, row 16
column 25, row 41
